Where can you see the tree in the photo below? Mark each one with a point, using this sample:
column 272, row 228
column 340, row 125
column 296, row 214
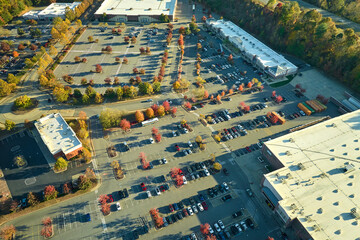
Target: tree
column 98, row 68
column 230, row 58
column 249, row 84
column 204, row 228
column 103, row 199
column 161, row 111
column 198, row 139
column 4, row 46
column 84, row 183
column 174, row 172
column 206, row 94
column 211, row 237
column 155, row 107
column 125, row 60
column 146, row 88
column 188, row 105
column 77, row 59
column 23, row 102
column 133, row 40
column 98, row 98
column 174, row 110
column 21, row 47
column 32, row 199
column 50, row 193
column 223, row 93
column 158, row 137
column 60, row 94
column 12, row 79
column 156, row 87
column 91, row 39
column 166, row 106
column 125, row 125
column 182, row 30
column 179, row 180
column 149, row 113
column 61, row 164
column 126, row 39
column 86, row 155
column 53, row 51
column 15, row 54
column 181, row 40
column 105, row 208
column 139, row 116
column 217, row 166
column 218, row 98
column 231, row 91
column 8, row 232
column 66, row 188
column 9, row 125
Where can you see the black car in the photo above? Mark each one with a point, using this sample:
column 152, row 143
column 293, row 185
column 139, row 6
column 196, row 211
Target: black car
column 174, row 218
column 169, row 220
column 121, row 194
column 162, row 178
column 181, row 205
column 211, row 192
column 202, row 173
column 237, row 214
column 192, row 200
column 249, row 223
column 193, row 167
column 234, row 230
column 197, row 165
column 226, row 198
column 180, row 215
column 189, row 169
column 126, row 192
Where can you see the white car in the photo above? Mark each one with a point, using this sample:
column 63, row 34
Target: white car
column 148, row 194
column 261, row 159
column 190, row 144
column 211, row 231
column 185, row 152
column 151, row 140
column 190, row 211
column 193, row 236
column 221, row 224
column 243, row 224
column 164, row 161
column 185, row 130
column 118, row 207
column 218, row 229
column 157, row 190
column 195, row 209
column 238, row 227
column 206, row 172
column 225, row 186
column 200, row 207
column 174, row 133
column 302, row 113
column 184, row 180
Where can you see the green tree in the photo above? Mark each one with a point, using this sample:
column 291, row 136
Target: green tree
column 61, row 164
column 60, row 94
column 84, row 183
column 85, row 99
column 53, row 51
column 146, row 88
column 32, row 199
column 20, row 31
column 12, row 79
column 5, row 88
column 110, row 118
column 119, row 93
column 156, row 87
column 23, row 102
column 9, row 125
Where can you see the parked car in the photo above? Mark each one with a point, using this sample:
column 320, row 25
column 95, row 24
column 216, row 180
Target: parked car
column 200, row 207
column 157, row 190
column 164, row 161
column 224, row 184
column 237, row 214
column 226, row 198
column 249, row 192
column 221, row 224
column 171, row 208
column 190, row 211
column 148, row 194
column 110, row 199
column 195, row 209
column 151, row 140
column 238, row 227
column 205, row 206
column 143, row 187
column 190, row 144
column 118, row 207
column 249, row 223
column 218, row 229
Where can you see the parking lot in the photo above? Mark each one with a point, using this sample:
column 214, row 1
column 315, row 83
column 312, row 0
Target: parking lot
column 92, row 52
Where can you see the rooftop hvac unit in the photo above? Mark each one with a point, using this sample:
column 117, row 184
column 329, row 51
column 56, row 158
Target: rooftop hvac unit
column 355, row 213
column 316, row 228
column 291, row 140
column 293, row 206
column 289, row 176
column 349, row 168
column 308, row 219
column 288, row 153
column 301, row 166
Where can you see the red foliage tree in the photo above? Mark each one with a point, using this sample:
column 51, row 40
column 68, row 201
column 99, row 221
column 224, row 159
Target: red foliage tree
column 66, row 188
column 166, row 105
column 188, row 105
column 279, row 99
column 126, row 39
column 247, row 108
column 47, row 230
column 155, row 107
column 154, row 131
column 231, row 91
column 143, row 159
column 211, row 237
column 181, row 40
column 135, row 70
column 142, row 50
column 230, row 58
column 98, row 68
column 174, row 110
column 223, row 93
column 105, row 208
column 203, row 19
column 179, row 180
column 182, row 30
column 103, row 199
column 158, row 137
column 204, row 228
column 125, row 125
column 273, row 94
column 249, row 85
column 174, row 172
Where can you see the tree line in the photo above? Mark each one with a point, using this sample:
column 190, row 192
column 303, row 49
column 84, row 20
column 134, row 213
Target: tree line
column 349, row 9
column 300, row 32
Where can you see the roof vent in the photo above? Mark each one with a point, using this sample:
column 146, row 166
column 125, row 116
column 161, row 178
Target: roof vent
column 291, row 140
column 308, row 219
column 355, row 213
column 333, row 125
column 316, row 228
column 283, row 180
column 323, row 175
column 301, row 166
column 293, row 206
column 349, row 168
column 320, row 211
column 289, row 176
column 288, row 153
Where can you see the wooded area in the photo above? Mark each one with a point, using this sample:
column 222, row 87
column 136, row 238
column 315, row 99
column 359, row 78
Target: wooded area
column 305, row 34
column 347, row 8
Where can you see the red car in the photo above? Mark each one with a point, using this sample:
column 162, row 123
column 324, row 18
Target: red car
column 162, row 188
column 181, row 172
column 171, row 208
column 111, row 199
column 201, row 105
column 205, row 205
column 177, row 147
column 248, row 149
column 185, row 212
column 143, row 187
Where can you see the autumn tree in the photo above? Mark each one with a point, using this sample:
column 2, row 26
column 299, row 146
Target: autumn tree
column 206, row 94
column 149, row 113
column 173, row 110
column 188, row 105
column 50, row 193
column 125, row 125
column 174, row 172
column 205, row 228
column 166, row 106
column 158, row 137
column 217, row 166
column 61, row 164
column 8, row 232
column 161, row 111
column 32, row 199
column 139, row 116
column 230, row 58
column 9, row 125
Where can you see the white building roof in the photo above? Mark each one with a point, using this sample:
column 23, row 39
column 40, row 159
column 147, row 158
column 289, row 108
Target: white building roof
column 319, row 184
column 252, row 47
column 138, row 8
column 57, row 134
column 31, row 14
column 57, row 9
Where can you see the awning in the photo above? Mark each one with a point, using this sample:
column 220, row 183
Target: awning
column 270, row 196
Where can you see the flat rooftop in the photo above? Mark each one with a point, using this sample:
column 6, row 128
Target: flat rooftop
column 57, row 134
column 58, row 9
column 319, row 184
column 252, row 47
column 137, row 7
